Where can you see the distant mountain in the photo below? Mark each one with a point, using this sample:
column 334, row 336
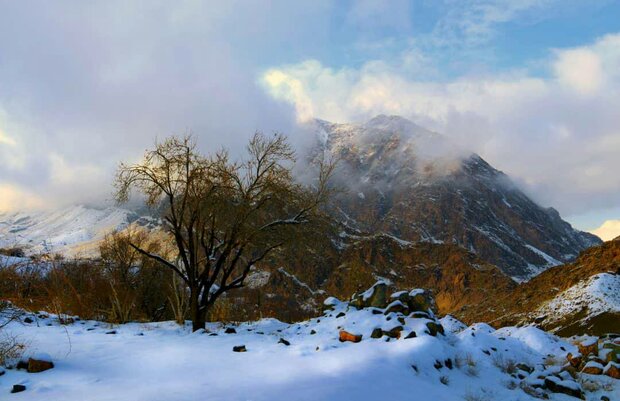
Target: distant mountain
column 414, row 184
column 72, row 231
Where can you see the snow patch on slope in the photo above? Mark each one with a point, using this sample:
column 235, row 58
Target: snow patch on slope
column 598, row 294
column 71, row 231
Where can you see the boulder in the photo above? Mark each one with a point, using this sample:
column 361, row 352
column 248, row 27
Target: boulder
column 375, row 296
column 346, row 336
column 239, row 348
column 568, row 387
column 588, row 347
column 434, row 328
column 396, row 307
column 592, row 368
column 421, row 301
column 612, row 369
column 230, row 330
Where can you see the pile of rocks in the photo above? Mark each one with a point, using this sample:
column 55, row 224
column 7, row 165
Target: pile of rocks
column 596, row 357
column 399, row 309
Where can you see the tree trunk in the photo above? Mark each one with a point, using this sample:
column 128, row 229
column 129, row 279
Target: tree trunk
column 198, row 316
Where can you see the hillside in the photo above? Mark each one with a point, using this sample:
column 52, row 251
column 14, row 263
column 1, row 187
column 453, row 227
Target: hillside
column 575, row 298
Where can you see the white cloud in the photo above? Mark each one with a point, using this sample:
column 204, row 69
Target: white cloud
column 580, row 69
column 13, row 195
column 608, row 230
column 561, row 145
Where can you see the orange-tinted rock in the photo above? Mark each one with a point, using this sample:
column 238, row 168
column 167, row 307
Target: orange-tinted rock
column 612, row 370
column 346, row 336
column 574, row 360
column 36, row 365
column 592, row 368
column 588, row 347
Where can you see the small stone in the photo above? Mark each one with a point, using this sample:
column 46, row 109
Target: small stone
column 346, row 336
column 39, row 365
column 393, row 332
column 111, row 332
column 341, row 314
column 18, row 388
column 312, row 332
column 411, row 335
column 230, row 330
column 283, row 341
column 448, row 363
column 376, row 333
column 239, row 348
column 28, row 320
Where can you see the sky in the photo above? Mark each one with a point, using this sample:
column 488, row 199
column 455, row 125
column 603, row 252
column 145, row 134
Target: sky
column 533, row 86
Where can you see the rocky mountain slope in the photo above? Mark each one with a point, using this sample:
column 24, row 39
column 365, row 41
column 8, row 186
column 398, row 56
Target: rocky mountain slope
column 583, row 296
column 414, row 184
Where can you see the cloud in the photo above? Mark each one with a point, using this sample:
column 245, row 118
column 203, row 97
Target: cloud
column 608, row 230
column 557, row 135
column 91, row 84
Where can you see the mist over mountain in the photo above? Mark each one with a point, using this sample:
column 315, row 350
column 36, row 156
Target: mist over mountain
column 404, row 180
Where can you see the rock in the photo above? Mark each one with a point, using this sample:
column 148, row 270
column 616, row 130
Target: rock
column 111, row 332
column 448, row 363
column 568, row 387
column 608, row 355
column 230, row 330
column 411, row 335
column 2, row 372
column 285, row 342
column 605, row 398
column 612, row 369
column 574, row 360
column 346, row 336
column 524, row 367
column 239, row 348
column 434, row 328
column 588, row 347
column 39, row 365
column 375, row 296
column 394, row 332
column 420, row 315
column 421, row 301
column 22, row 364
column 396, row 307
column 312, row 332
column 376, row 333
column 341, row 314
column 18, row 388
column 28, row 320
column 592, row 368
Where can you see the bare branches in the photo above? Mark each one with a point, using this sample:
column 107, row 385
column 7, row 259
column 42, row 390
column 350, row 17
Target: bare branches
column 218, row 212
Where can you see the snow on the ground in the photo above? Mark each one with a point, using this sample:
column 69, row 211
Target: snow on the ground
column 163, row 361
column 600, row 293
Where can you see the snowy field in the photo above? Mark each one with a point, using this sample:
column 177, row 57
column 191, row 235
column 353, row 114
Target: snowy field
column 163, row 361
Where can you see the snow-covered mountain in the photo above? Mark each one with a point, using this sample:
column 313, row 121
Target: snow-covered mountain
column 72, row 231
column 416, row 185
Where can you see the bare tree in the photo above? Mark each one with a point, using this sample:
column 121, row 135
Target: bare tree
column 223, row 216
